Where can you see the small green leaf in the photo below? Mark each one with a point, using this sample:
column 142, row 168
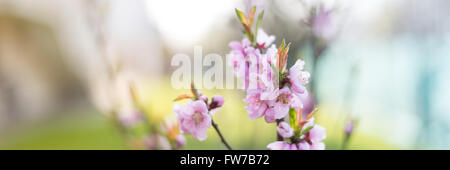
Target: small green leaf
column 251, row 15
column 307, row 129
column 292, row 117
column 258, row 22
column 241, row 17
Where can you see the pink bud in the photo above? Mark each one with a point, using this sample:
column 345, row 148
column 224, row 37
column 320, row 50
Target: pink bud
column 217, row 100
column 349, row 128
column 285, row 130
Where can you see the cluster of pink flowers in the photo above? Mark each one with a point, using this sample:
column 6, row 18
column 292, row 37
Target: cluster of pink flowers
column 272, row 89
column 310, row 137
column 195, row 116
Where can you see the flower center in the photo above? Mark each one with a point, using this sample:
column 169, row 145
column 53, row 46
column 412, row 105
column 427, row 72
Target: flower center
column 283, row 98
column 197, row 117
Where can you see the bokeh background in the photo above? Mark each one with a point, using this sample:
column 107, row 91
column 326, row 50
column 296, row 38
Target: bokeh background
column 385, row 63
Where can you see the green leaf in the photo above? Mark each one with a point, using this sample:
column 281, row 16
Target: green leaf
column 293, row 118
column 258, row 22
column 283, row 43
column 307, row 129
column 251, row 15
column 241, row 17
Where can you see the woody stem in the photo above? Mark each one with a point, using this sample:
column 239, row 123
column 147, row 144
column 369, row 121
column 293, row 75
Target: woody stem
column 220, row 135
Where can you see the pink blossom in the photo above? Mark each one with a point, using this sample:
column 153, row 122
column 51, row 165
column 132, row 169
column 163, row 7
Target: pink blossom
column 309, row 103
column 278, row 145
column 194, row 119
column 255, row 106
column 279, row 107
column 267, row 83
column 291, row 147
column 303, row 146
column 317, row 134
column 271, row 54
column 263, row 39
column 312, row 146
column 270, row 116
column 317, row 146
column 238, row 56
column 282, row 145
column 240, row 46
column 298, row 78
column 285, row 130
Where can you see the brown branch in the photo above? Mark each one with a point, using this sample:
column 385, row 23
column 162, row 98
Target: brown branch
column 220, row 135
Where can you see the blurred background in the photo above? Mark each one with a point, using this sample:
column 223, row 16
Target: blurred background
column 382, row 63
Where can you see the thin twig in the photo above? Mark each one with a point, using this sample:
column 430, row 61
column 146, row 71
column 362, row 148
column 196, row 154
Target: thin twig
column 220, row 135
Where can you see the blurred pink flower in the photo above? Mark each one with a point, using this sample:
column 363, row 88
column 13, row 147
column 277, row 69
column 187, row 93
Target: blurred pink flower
column 157, row 142
column 323, row 23
column 180, row 141
column 129, row 117
column 194, row 118
column 349, row 126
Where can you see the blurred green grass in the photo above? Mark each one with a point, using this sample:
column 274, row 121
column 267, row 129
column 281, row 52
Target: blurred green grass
column 85, row 129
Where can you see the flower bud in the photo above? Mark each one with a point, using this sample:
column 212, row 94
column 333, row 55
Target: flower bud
column 217, row 101
column 348, row 129
column 285, row 130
